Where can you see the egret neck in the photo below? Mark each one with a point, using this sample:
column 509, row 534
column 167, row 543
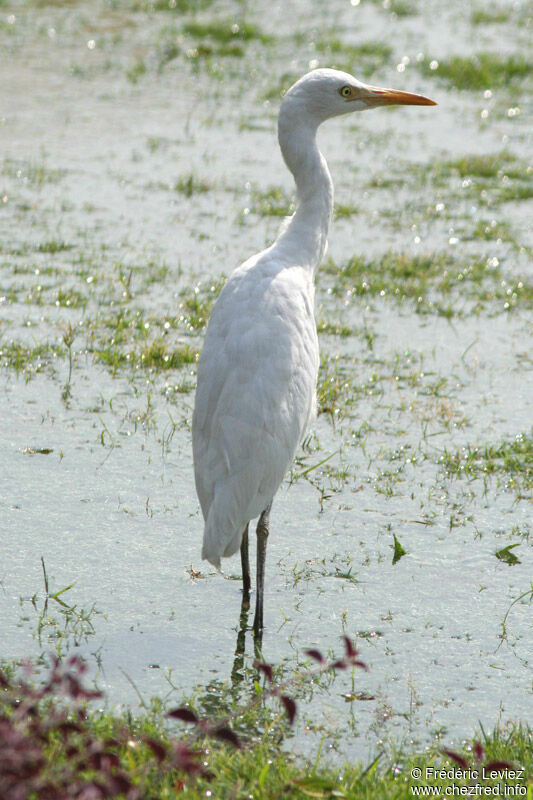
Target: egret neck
column 304, row 240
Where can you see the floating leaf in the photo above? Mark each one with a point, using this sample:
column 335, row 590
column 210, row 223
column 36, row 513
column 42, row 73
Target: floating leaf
column 398, row 550
column 506, row 555
column 31, row 451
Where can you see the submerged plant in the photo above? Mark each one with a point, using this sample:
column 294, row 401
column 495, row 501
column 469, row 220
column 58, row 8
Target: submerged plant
column 64, row 623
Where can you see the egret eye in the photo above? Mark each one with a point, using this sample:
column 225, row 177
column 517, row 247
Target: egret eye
column 345, row 91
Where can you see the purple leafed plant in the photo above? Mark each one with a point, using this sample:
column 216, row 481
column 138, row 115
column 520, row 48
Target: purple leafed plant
column 50, row 750
column 479, row 753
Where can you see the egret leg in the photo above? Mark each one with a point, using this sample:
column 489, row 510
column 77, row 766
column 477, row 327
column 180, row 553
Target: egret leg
column 245, row 561
column 262, row 537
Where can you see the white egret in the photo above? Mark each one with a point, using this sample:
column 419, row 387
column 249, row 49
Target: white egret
column 257, row 373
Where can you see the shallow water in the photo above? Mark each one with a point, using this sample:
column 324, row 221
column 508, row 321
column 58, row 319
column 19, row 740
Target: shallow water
column 91, row 160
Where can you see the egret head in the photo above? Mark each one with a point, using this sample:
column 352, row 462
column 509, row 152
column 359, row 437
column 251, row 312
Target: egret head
column 325, row 93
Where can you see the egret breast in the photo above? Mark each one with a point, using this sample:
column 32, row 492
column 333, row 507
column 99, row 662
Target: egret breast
column 255, row 397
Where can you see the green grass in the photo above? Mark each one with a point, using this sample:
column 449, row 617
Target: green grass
column 285, row 81
column 491, row 230
column 489, row 166
column 272, row 202
column 487, row 178
column 157, row 355
column 334, row 329
column 400, row 8
column 137, row 70
column 510, row 461
column 490, row 178
column 225, row 32
column 486, row 70
column 53, row 246
column 190, row 185
column 332, row 385
column 196, row 304
column 515, row 192
column 71, row 298
column 175, row 6
column 31, row 172
column 344, row 210
column 364, row 58
column 261, row 768
column 489, row 16
column 405, row 378
column 215, row 39
column 403, row 9
column 28, row 358
column 434, row 281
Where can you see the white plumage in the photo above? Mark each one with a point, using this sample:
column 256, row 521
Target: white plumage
column 256, row 383
column 257, row 372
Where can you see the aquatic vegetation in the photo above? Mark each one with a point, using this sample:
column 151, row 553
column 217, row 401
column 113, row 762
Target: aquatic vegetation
column 157, row 355
column 53, row 246
column 510, row 461
column 31, row 172
column 277, row 90
column 485, row 70
column 481, row 16
column 272, row 202
column 137, row 70
column 487, row 165
column 61, row 623
column 365, row 57
column 190, row 185
column 175, row 6
column 196, row 304
column 225, row 32
column 428, row 279
column 342, row 210
column 211, row 40
column 28, row 358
